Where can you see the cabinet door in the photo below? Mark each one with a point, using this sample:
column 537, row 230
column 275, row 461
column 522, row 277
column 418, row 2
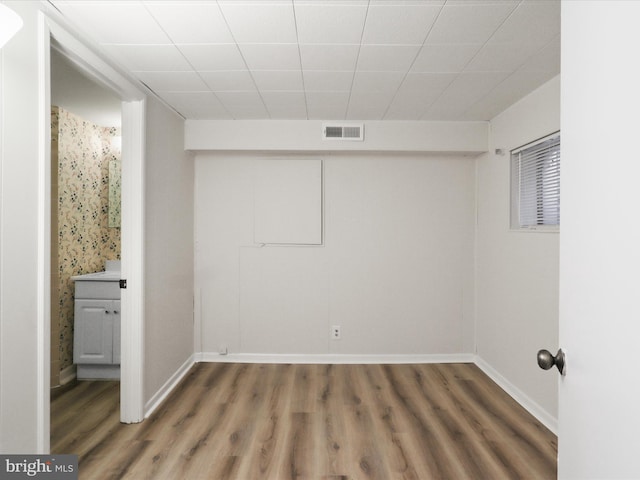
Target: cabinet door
column 93, row 331
column 116, row 332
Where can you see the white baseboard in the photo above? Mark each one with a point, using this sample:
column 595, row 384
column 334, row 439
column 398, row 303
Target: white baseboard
column 168, row 387
column 332, row 358
column 68, row 374
column 519, row 396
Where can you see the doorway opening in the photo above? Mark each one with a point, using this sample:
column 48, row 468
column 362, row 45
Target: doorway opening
column 85, row 225
column 132, row 108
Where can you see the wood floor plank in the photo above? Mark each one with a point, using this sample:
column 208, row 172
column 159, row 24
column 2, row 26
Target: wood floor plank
column 331, row 422
column 332, row 452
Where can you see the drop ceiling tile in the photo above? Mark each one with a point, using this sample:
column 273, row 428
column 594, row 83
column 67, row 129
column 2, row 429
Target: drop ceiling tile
column 330, row 22
column 256, row 22
column 444, row 57
column 496, row 57
column 405, row 110
column 190, row 21
column 511, row 90
column 468, row 23
column 536, row 22
column 172, row 81
column 472, row 86
column 242, row 99
column 253, row 112
column 463, row 93
column 405, row 24
column 417, row 93
column 323, row 81
column 271, row 56
column 368, row 106
column 444, row 112
column 239, row 99
column 382, row 58
column 243, row 104
column 149, row 57
column 213, row 57
column 377, row 82
column 135, row 25
column 440, row 116
column 290, row 80
column 327, row 105
column 229, row 80
column 329, row 57
column 286, row 105
column 199, row 105
column 427, row 82
column 547, row 59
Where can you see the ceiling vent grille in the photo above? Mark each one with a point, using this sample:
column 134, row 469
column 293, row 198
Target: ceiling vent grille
column 343, row 132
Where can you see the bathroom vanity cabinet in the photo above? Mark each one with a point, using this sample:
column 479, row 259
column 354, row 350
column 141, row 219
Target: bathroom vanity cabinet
column 96, row 346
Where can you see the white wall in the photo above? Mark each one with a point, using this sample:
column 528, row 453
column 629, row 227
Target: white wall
column 19, row 236
column 517, row 272
column 168, row 248
column 396, row 270
column 465, row 138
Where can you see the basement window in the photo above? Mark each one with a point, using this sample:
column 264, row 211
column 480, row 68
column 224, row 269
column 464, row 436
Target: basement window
column 535, row 185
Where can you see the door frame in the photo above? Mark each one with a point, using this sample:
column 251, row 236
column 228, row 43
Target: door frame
column 53, row 26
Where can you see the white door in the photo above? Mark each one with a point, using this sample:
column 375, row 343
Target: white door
column 599, row 406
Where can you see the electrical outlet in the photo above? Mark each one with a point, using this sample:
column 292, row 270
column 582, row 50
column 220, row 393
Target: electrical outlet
column 335, row 332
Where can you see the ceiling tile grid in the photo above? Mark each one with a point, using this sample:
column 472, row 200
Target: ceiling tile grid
column 329, row 59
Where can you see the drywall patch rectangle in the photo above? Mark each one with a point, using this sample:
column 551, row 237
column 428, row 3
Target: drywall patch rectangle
column 288, row 202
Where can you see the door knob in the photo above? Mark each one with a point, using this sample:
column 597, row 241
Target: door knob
column 546, row 360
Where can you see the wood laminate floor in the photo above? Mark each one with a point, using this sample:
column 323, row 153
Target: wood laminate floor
column 321, row 422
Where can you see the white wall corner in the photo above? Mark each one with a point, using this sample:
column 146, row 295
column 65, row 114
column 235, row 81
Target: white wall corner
column 164, row 391
column 519, row 396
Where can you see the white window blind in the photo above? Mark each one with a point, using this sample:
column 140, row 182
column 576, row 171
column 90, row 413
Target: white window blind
column 535, row 184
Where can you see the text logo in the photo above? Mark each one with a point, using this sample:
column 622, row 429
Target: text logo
column 50, row 467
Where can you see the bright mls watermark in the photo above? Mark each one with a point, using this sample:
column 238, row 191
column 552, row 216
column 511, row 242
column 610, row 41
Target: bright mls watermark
column 51, row 467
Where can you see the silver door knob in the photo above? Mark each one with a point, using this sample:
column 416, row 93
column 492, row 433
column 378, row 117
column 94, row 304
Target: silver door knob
column 546, row 360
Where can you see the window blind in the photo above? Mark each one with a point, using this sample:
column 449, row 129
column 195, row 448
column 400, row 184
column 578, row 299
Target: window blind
column 535, row 184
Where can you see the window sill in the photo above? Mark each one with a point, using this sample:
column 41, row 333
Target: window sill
column 540, row 229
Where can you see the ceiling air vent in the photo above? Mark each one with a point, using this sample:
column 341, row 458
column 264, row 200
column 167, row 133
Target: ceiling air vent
column 343, row 132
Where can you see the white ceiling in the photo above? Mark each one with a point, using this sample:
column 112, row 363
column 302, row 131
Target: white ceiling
column 330, row 59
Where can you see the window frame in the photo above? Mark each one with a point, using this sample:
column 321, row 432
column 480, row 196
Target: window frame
column 536, row 181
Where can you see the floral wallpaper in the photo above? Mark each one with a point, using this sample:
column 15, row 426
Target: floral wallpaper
column 85, row 240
